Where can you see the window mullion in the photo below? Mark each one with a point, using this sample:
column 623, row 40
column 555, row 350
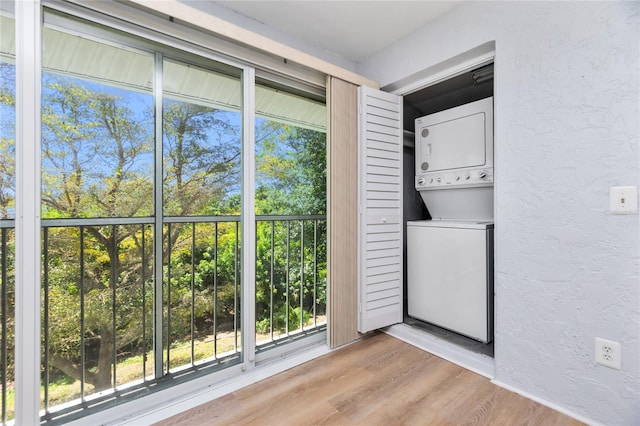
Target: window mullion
column 248, row 218
column 27, row 246
column 158, row 224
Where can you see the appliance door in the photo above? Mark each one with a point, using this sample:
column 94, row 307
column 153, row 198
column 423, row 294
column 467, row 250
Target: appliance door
column 447, row 279
column 453, row 144
column 454, row 139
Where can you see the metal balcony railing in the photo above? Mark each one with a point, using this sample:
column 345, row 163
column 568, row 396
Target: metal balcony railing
column 290, row 276
column 102, row 315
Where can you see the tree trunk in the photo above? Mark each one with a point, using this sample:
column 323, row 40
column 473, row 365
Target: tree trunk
column 103, row 373
column 101, row 379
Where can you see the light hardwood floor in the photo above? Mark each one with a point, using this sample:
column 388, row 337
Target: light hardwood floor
column 377, row 381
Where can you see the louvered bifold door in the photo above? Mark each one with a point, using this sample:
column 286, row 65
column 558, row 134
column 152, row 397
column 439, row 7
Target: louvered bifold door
column 380, row 209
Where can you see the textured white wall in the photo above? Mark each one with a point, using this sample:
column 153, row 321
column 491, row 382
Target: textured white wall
column 567, row 128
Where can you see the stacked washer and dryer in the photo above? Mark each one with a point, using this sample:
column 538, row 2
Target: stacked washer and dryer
column 450, row 257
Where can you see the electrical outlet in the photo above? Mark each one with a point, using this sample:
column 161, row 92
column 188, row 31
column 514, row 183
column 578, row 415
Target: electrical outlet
column 608, row 353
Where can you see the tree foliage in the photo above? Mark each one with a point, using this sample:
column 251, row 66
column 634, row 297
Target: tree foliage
column 290, row 180
column 201, row 157
column 290, row 170
column 7, row 140
column 98, row 162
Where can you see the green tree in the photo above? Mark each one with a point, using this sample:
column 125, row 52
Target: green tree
column 7, row 140
column 201, row 158
column 290, row 169
column 98, row 162
column 93, row 149
column 7, row 207
column 291, row 180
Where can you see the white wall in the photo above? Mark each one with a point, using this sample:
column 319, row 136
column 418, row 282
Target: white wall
column 567, row 128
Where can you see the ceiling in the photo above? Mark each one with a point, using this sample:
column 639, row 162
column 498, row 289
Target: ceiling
column 354, row 30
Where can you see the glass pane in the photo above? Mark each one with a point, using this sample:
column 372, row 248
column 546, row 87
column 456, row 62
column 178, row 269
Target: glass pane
column 202, row 292
column 97, row 163
column 7, row 117
column 290, row 185
column 202, row 146
column 97, row 129
column 290, row 154
column 202, row 141
column 98, row 293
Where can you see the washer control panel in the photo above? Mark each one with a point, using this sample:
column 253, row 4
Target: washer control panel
column 452, row 178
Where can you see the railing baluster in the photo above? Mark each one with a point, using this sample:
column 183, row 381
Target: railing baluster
column 45, row 288
column 143, row 264
column 114, row 283
column 193, row 287
column 215, row 292
column 5, row 305
column 288, row 277
column 235, row 291
column 302, row 275
column 83, row 360
column 271, row 319
column 315, row 271
column 168, row 295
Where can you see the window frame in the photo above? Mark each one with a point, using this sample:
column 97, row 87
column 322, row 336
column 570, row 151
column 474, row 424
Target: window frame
column 35, row 15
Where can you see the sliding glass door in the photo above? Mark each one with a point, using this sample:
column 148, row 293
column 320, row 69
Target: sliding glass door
column 141, row 206
column 163, row 172
column 97, row 207
column 290, row 198
column 201, row 186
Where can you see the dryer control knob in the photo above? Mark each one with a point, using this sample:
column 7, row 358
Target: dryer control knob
column 438, row 180
column 483, row 174
column 421, row 181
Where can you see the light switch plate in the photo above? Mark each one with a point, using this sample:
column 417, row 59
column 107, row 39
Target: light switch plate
column 623, row 199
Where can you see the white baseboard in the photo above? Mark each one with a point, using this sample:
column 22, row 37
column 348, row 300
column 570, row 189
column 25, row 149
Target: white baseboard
column 478, row 363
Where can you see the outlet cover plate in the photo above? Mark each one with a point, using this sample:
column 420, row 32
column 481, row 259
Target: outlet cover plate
column 623, row 199
column 608, row 353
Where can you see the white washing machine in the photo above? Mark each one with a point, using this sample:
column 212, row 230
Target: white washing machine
column 450, row 275
column 450, row 258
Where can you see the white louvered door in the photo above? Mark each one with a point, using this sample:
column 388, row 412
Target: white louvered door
column 380, row 209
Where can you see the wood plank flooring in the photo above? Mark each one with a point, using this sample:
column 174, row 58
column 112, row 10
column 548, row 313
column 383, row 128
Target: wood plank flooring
column 377, row 381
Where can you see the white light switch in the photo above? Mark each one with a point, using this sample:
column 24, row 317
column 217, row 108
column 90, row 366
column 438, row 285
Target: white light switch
column 623, row 199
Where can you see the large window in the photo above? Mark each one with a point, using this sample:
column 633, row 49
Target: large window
column 142, row 216
column 290, row 203
column 97, row 200
column 202, row 146
column 135, row 286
